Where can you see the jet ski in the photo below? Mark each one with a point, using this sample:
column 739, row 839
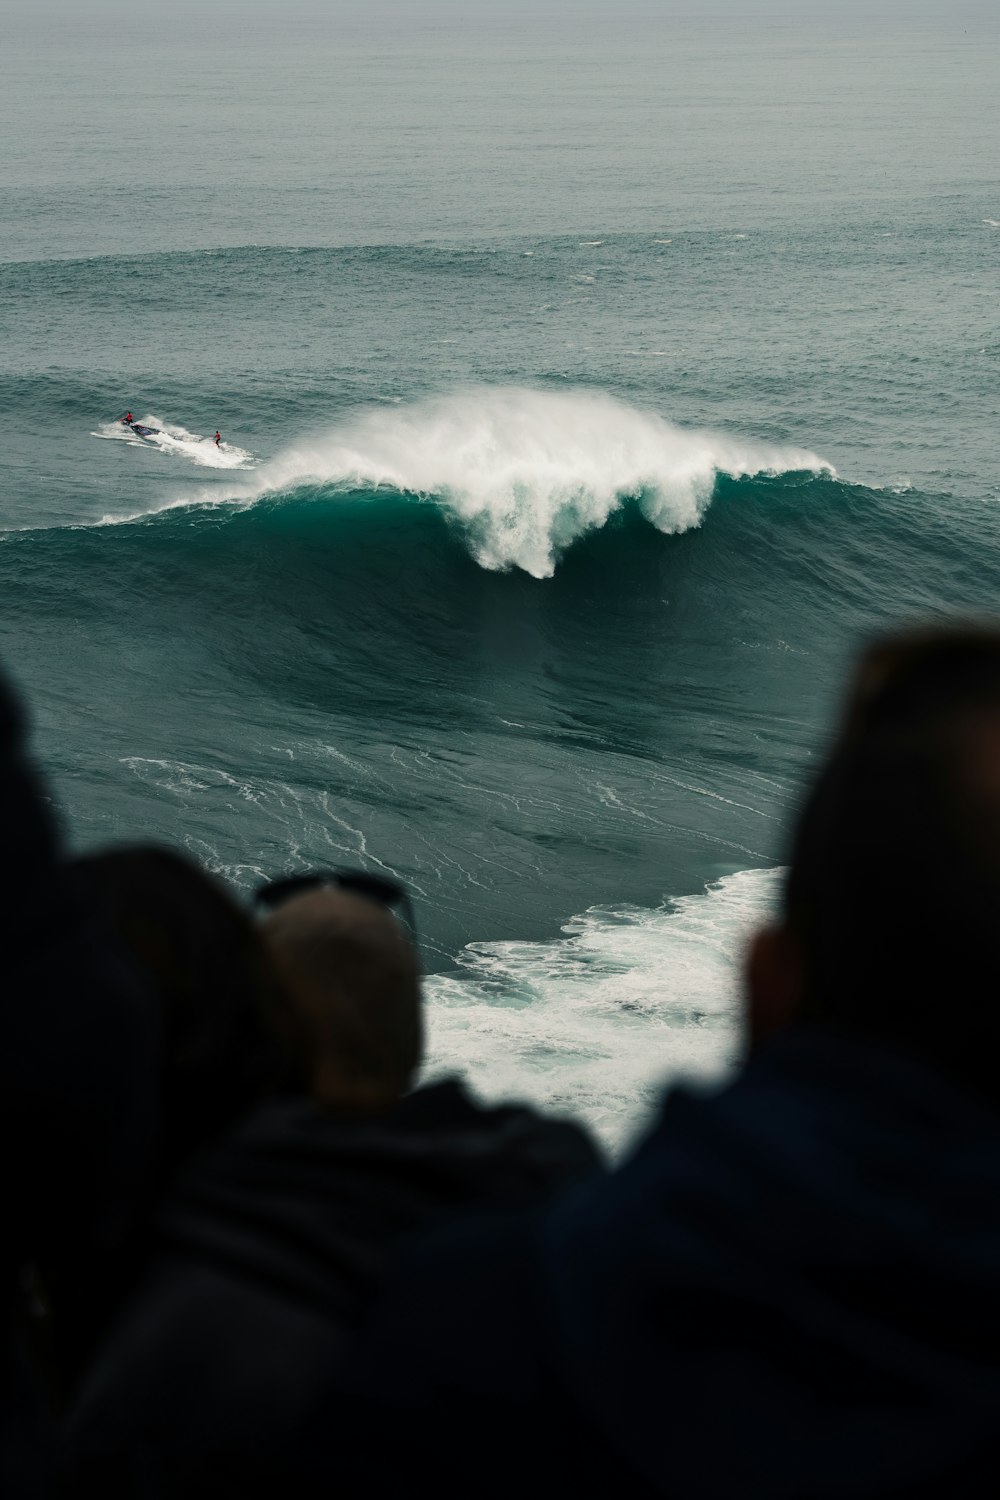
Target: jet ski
column 144, row 431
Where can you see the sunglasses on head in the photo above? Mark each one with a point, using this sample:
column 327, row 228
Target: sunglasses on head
column 382, row 889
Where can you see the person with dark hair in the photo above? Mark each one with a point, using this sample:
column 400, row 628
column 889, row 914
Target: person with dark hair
column 77, row 1090
column 272, row 1247
column 217, row 1052
column 892, row 896
column 214, row 985
column 791, row 1289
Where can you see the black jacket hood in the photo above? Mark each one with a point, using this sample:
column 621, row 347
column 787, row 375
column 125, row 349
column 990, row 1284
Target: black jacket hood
column 314, row 1206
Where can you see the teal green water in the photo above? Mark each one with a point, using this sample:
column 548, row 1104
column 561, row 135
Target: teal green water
column 587, row 394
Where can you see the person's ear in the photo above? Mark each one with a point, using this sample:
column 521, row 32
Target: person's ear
column 774, row 984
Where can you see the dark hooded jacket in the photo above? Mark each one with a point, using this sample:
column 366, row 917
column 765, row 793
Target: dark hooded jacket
column 791, row 1290
column 269, row 1255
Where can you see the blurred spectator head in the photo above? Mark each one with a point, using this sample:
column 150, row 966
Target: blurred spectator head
column 350, row 974
column 211, row 976
column 891, row 908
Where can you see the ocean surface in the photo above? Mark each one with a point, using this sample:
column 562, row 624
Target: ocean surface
column 590, row 386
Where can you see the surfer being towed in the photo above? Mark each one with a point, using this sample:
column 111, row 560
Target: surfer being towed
column 128, row 419
column 217, row 440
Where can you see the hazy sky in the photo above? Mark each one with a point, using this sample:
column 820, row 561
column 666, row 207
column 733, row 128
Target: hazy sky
column 218, row 19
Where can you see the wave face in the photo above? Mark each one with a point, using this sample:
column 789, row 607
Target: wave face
column 328, row 675
column 527, row 472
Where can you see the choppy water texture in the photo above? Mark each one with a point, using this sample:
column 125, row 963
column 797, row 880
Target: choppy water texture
column 585, row 399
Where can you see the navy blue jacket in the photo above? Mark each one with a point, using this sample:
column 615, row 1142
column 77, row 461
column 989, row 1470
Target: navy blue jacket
column 791, row 1290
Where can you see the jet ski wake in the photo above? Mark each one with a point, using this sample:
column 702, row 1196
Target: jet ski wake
column 176, row 441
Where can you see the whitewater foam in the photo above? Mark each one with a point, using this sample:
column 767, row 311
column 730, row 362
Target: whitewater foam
column 595, row 1023
column 171, row 438
column 526, row 472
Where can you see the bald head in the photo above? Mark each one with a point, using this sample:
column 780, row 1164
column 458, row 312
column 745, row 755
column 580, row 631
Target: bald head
column 351, row 978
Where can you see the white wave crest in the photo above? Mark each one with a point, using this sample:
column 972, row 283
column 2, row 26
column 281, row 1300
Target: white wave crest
column 594, row 1023
column 529, row 471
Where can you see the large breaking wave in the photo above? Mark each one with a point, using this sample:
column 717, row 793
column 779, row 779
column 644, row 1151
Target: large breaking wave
column 526, row 472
